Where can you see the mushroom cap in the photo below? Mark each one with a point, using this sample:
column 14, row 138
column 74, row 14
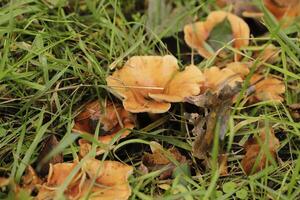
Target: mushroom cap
column 216, row 78
column 283, row 8
column 239, row 68
column 268, row 89
column 197, row 33
column 113, row 119
column 150, row 83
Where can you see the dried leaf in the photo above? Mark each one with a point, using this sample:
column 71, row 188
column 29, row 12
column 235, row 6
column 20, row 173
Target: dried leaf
column 223, row 168
column 256, row 158
column 43, row 165
column 150, row 83
column 160, row 159
column 197, row 33
column 220, row 107
column 267, row 89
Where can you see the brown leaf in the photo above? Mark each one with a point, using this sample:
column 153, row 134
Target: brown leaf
column 256, row 158
column 223, row 168
column 197, row 33
column 151, row 83
column 160, row 159
column 43, row 165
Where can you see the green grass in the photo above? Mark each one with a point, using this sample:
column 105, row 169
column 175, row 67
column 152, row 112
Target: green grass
column 54, row 57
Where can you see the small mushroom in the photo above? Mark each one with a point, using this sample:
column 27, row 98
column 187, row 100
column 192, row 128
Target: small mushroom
column 95, row 179
column 197, row 33
column 239, row 68
column 283, row 8
column 269, row 88
column 151, row 83
column 113, row 118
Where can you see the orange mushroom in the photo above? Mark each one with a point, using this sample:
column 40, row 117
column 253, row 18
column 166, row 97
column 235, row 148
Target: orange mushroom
column 283, row 8
column 150, row 83
column 217, row 78
column 267, row 89
column 197, row 33
column 95, row 179
column 239, row 68
column 113, row 118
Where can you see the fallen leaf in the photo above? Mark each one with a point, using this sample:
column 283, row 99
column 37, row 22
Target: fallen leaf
column 197, row 33
column 112, row 117
column 220, row 88
column 223, row 167
column 151, row 83
column 160, row 159
column 256, row 158
column 43, row 165
column 268, row 88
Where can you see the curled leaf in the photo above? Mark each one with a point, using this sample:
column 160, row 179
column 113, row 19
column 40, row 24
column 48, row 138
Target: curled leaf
column 197, row 33
column 150, row 83
column 43, row 165
column 256, row 157
column 223, row 168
